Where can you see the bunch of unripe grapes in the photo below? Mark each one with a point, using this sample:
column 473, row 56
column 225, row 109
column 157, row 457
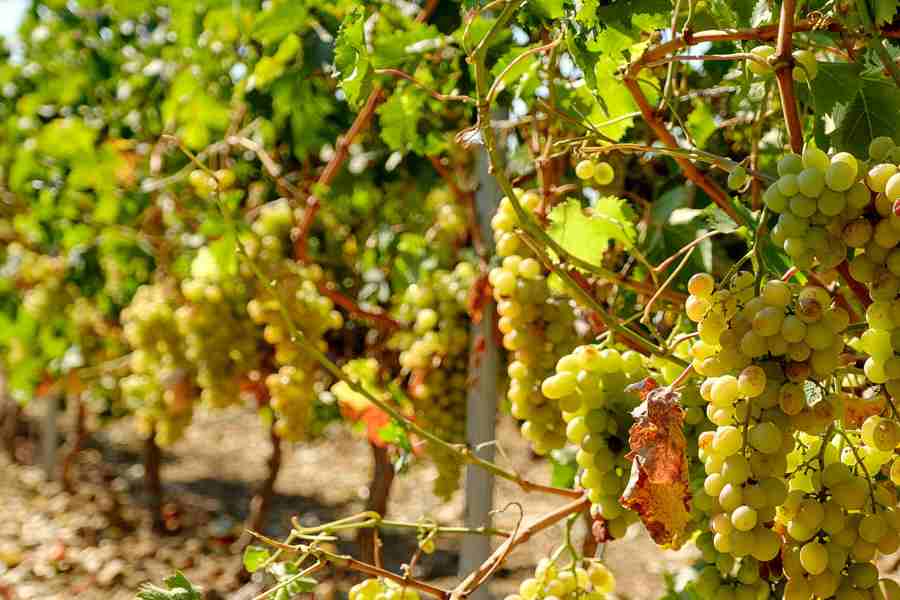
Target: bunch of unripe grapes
column 538, row 326
column 382, row 589
column 295, row 386
column 820, row 201
column 805, row 66
column 799, row 331
column 434, row 348
column 876, row 263
column 157, row 388
column 450, row 219
column 41, row 276
column 205, row 184
column 593, row 581
column 219, row 340
column 599, row 172
column 589, row 386
column 836, row 520
column 272, row 229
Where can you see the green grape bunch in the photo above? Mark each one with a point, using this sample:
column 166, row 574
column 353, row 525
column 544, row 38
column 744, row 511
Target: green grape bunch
column 537, row 324
column 590, row 387
column 434, row 345
column 592, row 581
column 159, row 387
column 219, row 339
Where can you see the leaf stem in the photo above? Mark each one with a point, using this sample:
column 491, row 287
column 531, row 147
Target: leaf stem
column 784, row 67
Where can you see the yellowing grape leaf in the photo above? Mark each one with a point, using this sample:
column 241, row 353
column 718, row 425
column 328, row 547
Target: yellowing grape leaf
column 586, row 233
column 658, row 489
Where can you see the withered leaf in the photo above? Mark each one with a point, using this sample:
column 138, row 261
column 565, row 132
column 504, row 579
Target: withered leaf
column 658, row 489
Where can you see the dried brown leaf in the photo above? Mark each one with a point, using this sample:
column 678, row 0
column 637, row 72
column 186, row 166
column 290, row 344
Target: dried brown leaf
column 658, row 489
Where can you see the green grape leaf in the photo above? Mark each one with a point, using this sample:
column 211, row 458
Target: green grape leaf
column 835, row 83
column 872, row 113
column 351, row 58
column 615, row 110
column 723, row 12
column 564, row 468
column 518, row 70
column 177, row 588
column 762, row 13
column 700, row 123
column 551, row 9
column 587, row 13
column 885, row 11
column 399, row 119
column 255, row 557
column 624, row 11
column 395, row 433
column 282, row 19
column 649, row 22
column 400, row 45
column 612, row 42
column 587, row 233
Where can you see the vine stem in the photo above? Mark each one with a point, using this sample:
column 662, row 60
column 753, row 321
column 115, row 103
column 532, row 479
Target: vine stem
column 433, row 93
column 784, row 67
column 360, row 124
column 722, row 162
column 691, row 171
column 860, row 464
column 859, row 290
column 370, row 519
column 763, row 33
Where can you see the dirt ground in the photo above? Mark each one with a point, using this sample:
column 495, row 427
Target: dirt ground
column 97, row 542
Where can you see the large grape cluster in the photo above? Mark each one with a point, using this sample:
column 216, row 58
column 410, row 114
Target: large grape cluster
column 537, row 326
column 837, row 518
column 574, row 582
column 757, row 353
column 589, row 387
column 820, row 202
column 294, row 388
column 434, row 348
column 450, row 218
column 219, row 340
column 159, row 386
column 42, row 279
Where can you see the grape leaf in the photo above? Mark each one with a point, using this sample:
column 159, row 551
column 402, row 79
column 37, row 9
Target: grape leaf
column 762, row 13
column 351, row 58
column 399, row 119
column 835, row 83
column 623, row 11
column 586, row 233
column 552, row 9
column 658, row 488
column 177, row 588
column 255, row 557
column 564, row 468
column 723, row 12
column 282, row 19
column 872, row 113
column 587, row 13
column 885, row 11
column 701, row 124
